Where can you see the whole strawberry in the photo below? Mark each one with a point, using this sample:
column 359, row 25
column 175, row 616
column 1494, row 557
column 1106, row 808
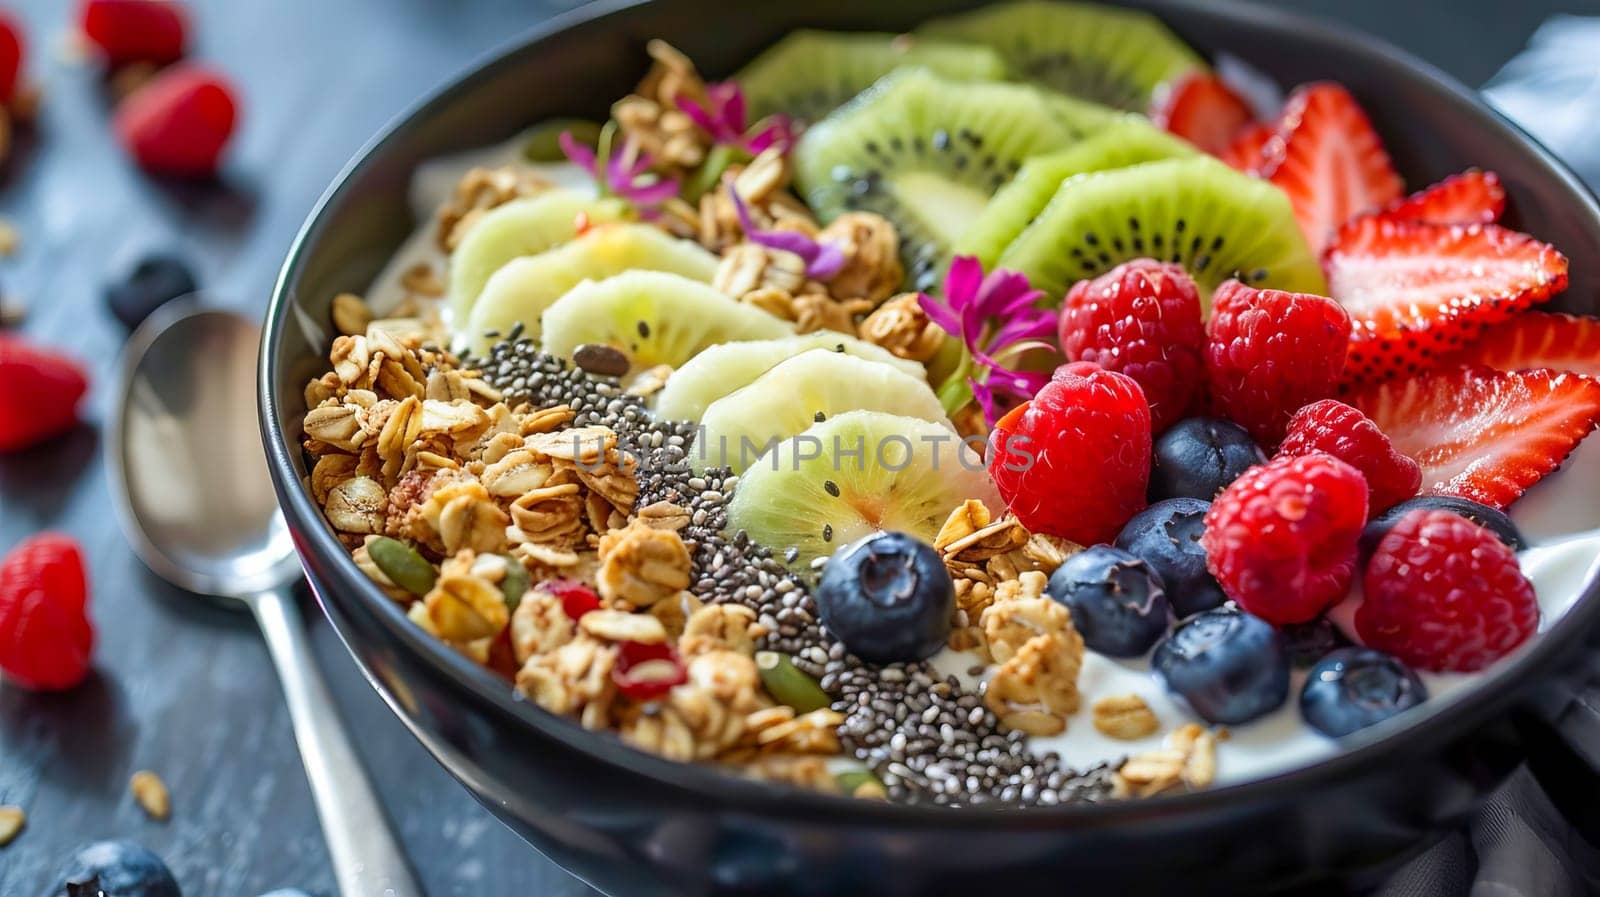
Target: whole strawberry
column 1141, row 318
column 1442, row 593
column 40, row 394
column 1075, row 459
column 152, row 31
column 179, row 123
column 1269, row 353
column 1342, row 431
column 1281, row 540
column 45, row 635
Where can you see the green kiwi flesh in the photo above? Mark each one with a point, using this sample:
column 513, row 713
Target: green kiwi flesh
column 1130, row 141
column 926, row 153
column 810, row 73
column 1218, row 223
column 1113, row 56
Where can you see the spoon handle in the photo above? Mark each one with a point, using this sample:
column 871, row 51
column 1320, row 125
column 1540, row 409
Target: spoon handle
column 367, row 860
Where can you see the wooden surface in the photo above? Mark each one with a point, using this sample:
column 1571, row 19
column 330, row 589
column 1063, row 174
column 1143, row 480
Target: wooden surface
column 184, row 688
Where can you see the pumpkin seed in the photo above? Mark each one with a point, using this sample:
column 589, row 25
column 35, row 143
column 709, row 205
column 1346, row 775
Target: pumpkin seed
column 404, row 566
column 789, row 684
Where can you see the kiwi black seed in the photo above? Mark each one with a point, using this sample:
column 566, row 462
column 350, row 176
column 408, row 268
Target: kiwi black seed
column 1118, row 57
column 1216, row 222
column 878, row 154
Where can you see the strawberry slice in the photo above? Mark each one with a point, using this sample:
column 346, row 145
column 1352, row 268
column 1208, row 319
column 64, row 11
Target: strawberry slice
column 1329, row 160
column 1536, row 340
column 1205, row 111
column 1418, row 291
column 1471, row 197
column 1481, row 434
column 1245, row 152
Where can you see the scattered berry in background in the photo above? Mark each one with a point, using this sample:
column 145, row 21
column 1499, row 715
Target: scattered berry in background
column 1228, row 667
column 117, row 869
column 1075, row 460
column 1333, row 427
column 1444, row 594
column 1166, row 536
column 41, row 394
column 155, row 281
column 1117, row 601
column 888, row 597
column 1269, row 353
column 130, row 31
column 1353, row 688
column 1141, row 318
column 13, row 53
column 45, row 636
column 1199, row 457
column 179, row 123
column 1492, row 519
column 1281, row 540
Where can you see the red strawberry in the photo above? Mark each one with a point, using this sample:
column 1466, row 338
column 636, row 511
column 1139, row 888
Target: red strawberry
column 1537, row 339
column 178, row 123
column 1245, row 152
column 152, row 31
column 13, row 50
column 40, row 395
column 1481, row 434
column 1141, row 318
column 1281, row 539
column 45, row 634
column 1269, row 352
column 1417, row 291
column 1333, row 427
column 1075, row 459
column 1471, row 197
column 1442, row 593
column 1329, row 160
column 1205, row 111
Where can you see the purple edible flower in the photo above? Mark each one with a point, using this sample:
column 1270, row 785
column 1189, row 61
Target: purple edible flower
column 998, row 319
column 626, row 173
column 723, row 117
column 823, row 260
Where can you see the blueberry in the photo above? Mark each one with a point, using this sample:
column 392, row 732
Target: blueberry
column 1228, row 666
column 1199, row 456
column 1353, row 688
column 1117, row 601
column 117, row 869
column 888, row 597
column 155, row 281
column 1166, row 536
column 1310, row 642
column 1493, row 520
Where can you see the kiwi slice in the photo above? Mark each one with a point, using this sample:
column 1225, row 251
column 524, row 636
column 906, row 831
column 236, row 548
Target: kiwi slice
column 810, row 73
column 874, row 471
column 1218, row 223
column 1129, row 141
column 925, row 152
column 1113, row 56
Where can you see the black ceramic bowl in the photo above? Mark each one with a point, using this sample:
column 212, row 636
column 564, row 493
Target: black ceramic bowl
column 631, row 823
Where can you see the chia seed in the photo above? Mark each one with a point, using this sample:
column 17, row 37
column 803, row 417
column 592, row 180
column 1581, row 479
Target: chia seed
column 929, row 739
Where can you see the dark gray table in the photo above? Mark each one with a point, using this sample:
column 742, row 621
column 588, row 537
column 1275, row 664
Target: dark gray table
column 186, row 689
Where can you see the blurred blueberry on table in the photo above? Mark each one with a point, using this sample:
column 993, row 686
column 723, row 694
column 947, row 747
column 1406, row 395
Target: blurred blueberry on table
column 1492, row 519
column 888, row 597
column 1228, row 666
column 116, row 869
column 1198, row 456
column 1354, row 688
column 155, row 281
column 1118, row 602
column 1166, row 536
column 1312, row 641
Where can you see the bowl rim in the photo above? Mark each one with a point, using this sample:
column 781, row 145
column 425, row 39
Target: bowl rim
column 1441, row 719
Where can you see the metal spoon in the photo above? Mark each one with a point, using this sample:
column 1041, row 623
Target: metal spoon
column 190, row 482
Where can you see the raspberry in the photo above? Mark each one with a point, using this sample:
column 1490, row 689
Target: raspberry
column 152, row 31
column 13, row 50
column 179, row 123
column 1444, row 594
column 1141, row 318
column 1281, row 540
column 45, row 636
column 1336, row 428
column 1075, row 459
column 1269, row 352
column 40, row 395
